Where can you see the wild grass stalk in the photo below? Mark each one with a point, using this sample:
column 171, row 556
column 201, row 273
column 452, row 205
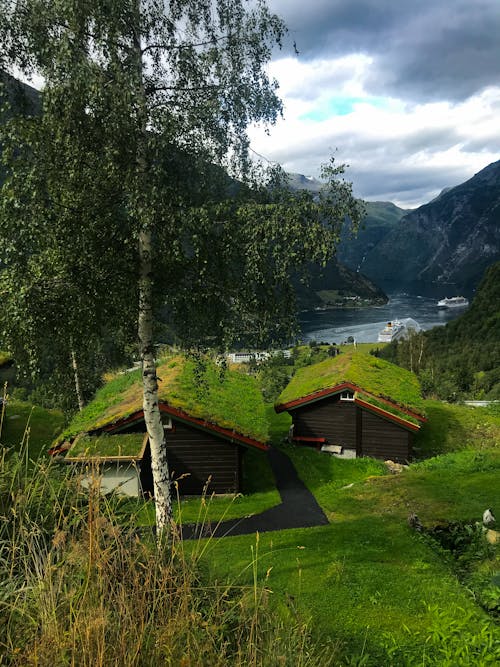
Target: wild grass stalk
column 79, row 585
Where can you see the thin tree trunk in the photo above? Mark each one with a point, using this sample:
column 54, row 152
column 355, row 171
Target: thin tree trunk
column 76, row 375
column 421, row 351
column 152, row 416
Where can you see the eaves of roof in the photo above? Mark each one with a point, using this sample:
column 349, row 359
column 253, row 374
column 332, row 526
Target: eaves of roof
column 182, row 416
column 331, row 391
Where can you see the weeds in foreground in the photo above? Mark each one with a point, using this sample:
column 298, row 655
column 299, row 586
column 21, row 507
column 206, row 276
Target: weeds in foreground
column 80, row 586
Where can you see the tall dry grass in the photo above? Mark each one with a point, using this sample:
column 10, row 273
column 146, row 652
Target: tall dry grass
column 80, row 586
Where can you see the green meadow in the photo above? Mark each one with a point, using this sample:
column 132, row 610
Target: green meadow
column 369, row 589
column 381, row 592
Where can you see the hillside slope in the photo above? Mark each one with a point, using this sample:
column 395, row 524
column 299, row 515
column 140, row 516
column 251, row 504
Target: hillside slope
column 336, row 286
column 339, row 283
column 461, row 359
column 450, row 241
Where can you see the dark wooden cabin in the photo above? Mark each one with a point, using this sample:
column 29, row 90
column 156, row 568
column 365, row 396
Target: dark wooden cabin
column 200, row 454
column 208, row 428
column 348, row 421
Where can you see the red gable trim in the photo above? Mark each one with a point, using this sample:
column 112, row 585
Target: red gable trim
column 388, row 415
column 316, row 396
column 304, row 438
column 200, row 423
column 323, row 393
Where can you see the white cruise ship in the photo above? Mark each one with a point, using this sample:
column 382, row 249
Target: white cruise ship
column 453, row 302
column 392, row 331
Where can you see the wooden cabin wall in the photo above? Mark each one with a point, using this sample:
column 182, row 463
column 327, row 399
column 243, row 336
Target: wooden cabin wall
column 200, row 455
column 383, row 439
column 330, row 418
column 343, row 423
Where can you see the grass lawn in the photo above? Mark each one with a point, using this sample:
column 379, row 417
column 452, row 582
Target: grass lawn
column 452, row 427
column 367, row 580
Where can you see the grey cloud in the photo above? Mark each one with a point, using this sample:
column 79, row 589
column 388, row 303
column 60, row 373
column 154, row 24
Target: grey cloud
column 381, row 169
column 441, row 49
column 489, row 143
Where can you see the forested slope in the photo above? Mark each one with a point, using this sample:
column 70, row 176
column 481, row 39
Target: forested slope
column 461, row 359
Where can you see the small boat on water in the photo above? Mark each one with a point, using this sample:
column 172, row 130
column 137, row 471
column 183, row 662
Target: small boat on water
column 453, row 302
column 392, row 331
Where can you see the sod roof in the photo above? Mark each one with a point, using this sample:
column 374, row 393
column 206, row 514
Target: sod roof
column 229, row 400
column 375, row 378
column 120, row 447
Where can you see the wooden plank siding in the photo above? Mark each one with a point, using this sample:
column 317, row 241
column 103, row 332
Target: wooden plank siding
column 382, row 439
column 344, row 423
column 196, row 455
column 330, row 418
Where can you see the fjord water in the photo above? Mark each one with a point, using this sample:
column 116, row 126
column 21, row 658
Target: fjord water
column 364, row 324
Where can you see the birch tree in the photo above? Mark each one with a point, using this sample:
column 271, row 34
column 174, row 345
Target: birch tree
column 173, row 86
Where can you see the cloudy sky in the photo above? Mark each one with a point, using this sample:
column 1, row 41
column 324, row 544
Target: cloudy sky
column 407, row 91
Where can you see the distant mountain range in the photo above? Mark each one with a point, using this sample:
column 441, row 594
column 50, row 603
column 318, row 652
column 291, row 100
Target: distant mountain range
column 340, row 284
column 381, row 218
column 444, row 245
column 450, row 241
column 447, row 243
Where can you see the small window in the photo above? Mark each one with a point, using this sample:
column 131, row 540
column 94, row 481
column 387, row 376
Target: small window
column 167, row 424
column 347, row 396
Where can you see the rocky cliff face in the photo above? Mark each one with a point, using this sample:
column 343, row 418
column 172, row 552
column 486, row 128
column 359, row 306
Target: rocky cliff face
column 381, row 218
column 451, row 240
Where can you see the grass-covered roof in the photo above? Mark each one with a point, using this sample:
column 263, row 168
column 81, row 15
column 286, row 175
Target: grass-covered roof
column 229, row 399
column 103, row 446
column 376, row 377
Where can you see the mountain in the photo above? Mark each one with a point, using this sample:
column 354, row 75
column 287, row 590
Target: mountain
column 381, row 218
column 460, row 359
column 339, row 284
column 23, row 99
column 301, row 182
column 336, row 286
column 449, row 241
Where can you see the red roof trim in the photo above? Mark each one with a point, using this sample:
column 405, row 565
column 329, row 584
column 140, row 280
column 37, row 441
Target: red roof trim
column 388, row 415
column 302, row 438
column 314, row 396
column 323, row 393
column 209, row 426
column 59, row 449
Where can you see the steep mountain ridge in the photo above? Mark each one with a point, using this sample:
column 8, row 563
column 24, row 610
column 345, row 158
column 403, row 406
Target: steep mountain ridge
column 340, row 284
column 381, row 218
column 449, row 241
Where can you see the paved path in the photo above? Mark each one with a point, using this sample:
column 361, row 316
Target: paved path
column 298, row 508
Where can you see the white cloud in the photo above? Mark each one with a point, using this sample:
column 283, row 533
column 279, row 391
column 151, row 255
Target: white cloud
column 327, row 107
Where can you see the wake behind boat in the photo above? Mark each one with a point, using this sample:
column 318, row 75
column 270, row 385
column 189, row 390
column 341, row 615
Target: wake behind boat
column 453, row 302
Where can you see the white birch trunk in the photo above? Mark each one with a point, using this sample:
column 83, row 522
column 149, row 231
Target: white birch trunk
column 152, row 416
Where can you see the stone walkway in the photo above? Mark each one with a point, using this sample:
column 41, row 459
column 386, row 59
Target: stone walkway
column 298, row 507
